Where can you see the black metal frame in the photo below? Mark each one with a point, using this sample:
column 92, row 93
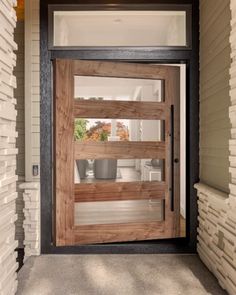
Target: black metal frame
column 145, row 55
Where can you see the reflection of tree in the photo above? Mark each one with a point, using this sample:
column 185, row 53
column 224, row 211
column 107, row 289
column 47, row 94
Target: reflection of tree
column 80, row 129
column 122, row 131
column 101, row 130
column 104, row 136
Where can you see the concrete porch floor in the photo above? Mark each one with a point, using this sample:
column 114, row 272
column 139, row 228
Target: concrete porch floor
column 116, row 275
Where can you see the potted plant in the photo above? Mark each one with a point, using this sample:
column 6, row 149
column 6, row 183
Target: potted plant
column 105, row 168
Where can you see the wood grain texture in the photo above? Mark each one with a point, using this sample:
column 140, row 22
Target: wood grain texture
column 176, row 164
column 66, row 153
column 90, row 192
column 64, row 161
column 121, row 70
column 119, row 109
column 172, row 97
column 119, row 150
column 109, row 233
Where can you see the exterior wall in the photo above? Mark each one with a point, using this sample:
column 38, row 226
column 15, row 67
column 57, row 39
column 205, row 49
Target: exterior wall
column 31, row 222
column 232, row 143
column 20, row 128
column 31, row 186
column 217, row 210
column 217, row 235
column 214, row 93
column 32, row 88
column 8, row 151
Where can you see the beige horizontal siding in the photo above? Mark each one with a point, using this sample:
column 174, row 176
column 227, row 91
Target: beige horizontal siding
column 32, row 129
column 32, row 86
column 215, row 60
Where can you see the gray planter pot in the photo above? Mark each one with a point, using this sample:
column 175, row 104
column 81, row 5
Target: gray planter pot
column 105, row 169
column 82, row 166
column 155, row 162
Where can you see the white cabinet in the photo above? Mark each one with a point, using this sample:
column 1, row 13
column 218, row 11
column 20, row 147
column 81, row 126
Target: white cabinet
column 151, row 173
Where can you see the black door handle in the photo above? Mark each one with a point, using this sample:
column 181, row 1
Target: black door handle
column 172, row 160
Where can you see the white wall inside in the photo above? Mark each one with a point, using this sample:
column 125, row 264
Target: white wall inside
column 129, row 90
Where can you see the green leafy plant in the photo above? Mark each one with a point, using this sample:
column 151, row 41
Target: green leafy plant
column 80, row 129
column 104, row 136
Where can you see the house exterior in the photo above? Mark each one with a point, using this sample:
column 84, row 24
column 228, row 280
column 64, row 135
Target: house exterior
column 20, row 96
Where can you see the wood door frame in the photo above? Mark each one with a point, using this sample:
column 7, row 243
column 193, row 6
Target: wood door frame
column 190, row 58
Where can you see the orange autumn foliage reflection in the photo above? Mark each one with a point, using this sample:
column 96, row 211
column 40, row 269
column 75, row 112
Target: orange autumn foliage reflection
column 102, row 130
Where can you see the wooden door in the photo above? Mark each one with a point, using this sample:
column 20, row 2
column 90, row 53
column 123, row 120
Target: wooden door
column 67, row 150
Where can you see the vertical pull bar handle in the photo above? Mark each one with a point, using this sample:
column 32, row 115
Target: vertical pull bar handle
column 171, row 187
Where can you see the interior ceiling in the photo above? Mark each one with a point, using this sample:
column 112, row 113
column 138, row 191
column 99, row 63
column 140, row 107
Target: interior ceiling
column 93, row 27
column 157, row 25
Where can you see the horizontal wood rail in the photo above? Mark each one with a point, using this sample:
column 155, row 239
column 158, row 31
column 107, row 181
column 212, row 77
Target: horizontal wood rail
column 119, row 191
column 119, row 150
column 105, row 233
column 96, row 109
column 122, row 70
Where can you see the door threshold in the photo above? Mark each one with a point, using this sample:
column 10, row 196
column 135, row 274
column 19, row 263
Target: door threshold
column 173, row 246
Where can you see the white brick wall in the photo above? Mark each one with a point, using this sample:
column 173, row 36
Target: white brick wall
column 232, row 144
column 217, row 235
column 8, row 151
column 31, row 222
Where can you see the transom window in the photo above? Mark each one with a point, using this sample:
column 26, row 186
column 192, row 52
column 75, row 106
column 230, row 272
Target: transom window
column 119, row 28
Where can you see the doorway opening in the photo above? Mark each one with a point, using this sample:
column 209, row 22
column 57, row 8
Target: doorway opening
column 184, row 53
